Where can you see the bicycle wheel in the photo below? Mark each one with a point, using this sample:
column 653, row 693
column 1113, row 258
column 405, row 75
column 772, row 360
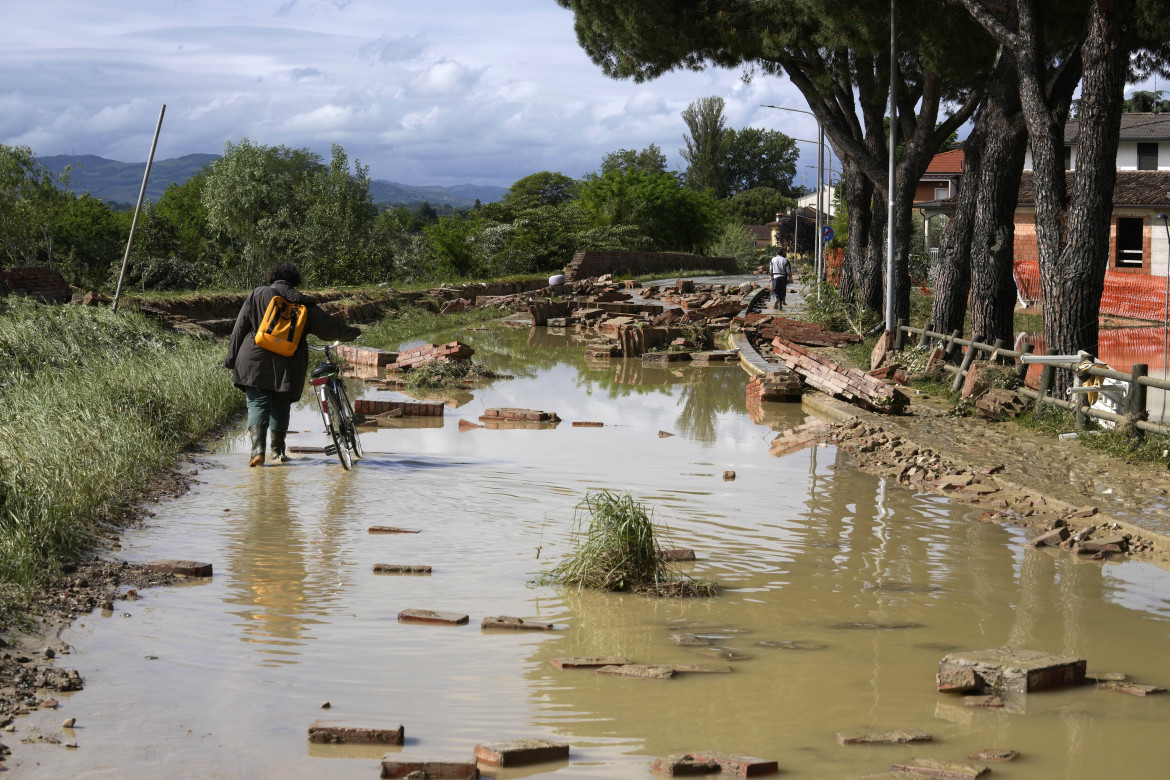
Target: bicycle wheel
column 337, row 429
column 350, row 425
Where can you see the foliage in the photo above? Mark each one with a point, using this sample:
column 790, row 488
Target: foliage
column 728, row 161
column 757, row 206
column 1117, row 442
column 649, row 160
column 736, row 241
column 400, row 327
column 540, row 189
column 657, row 206
column 94, row 405
column 1144, row 101
column 618, row 550
column 824, row 306
column 442, row 374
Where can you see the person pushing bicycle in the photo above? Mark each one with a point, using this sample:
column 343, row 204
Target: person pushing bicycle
column 268, row 355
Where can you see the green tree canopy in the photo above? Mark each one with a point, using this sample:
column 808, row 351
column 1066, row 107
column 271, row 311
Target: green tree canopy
column 669, row 215
column 649, row 160
column 757, row 206
column 545, row 188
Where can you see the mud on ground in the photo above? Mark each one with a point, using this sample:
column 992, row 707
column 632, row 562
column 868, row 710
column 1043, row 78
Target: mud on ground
column 1021, row 477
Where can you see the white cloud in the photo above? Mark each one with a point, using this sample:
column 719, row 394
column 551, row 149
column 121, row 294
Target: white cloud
column 423, row 93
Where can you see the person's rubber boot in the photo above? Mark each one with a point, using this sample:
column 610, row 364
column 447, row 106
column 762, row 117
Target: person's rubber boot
column 278, row 446
column 258, row 434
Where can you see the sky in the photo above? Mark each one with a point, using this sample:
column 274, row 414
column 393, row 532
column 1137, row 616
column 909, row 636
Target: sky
column 423, row 92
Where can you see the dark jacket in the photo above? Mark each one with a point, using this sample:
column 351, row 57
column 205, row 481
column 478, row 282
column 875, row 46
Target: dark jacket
column 254, row 366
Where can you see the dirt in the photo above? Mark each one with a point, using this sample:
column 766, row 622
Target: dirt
column 31, row 665
column 1022, row 478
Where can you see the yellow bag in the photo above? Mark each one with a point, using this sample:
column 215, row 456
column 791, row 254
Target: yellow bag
column 281, row 328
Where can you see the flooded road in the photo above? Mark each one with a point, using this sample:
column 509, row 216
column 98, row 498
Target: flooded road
column 221, row 678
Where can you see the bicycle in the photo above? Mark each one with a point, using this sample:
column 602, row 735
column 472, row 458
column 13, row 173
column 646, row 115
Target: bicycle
column 336, row 410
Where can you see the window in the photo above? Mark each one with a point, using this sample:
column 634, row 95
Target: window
column 1068, row 158
column 942, row 193
column 1147, row 157
column 1129, row 242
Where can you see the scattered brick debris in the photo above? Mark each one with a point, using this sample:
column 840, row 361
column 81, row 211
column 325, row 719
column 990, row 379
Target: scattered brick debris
column 331, row 732
column 430, row 616
column 186, row 568
column 508, row 623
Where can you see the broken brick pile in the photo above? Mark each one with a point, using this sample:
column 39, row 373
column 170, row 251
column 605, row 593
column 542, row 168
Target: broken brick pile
column 1000, row 404
column 372, row 408
column 809, row 334
column 596, row 262
column 430, row 353
column 848, row 384
column 793, row 439
column 40, row 282
column 367, row 357
column 780, row 385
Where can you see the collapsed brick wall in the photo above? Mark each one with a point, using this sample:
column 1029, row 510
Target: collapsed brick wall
column 589, row 263
column 40, row 282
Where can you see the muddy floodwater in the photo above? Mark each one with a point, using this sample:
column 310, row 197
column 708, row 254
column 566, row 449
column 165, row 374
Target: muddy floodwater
column 841, row 595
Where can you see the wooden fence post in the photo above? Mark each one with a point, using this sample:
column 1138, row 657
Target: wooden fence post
column 1046, row 377
column 952, row 345
column 923, row 338
column 1136, row 409
column 900, row 336
column 972, row 351
column 1021, row 366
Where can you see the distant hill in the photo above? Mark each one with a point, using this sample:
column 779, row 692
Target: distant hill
column 110, row 180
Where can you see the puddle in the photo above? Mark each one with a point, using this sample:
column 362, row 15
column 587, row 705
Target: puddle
column 843, row 593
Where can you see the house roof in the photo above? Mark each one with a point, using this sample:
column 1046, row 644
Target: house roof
column 1134, row 127
column 760, row 232
column 946, row 162
column 1132, row 188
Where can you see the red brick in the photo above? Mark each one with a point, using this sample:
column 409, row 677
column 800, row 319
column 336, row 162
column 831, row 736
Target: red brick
column 394, row 766
column 388, row 529
column 401, row 568
column 186, row 568
column 935, row 768
column 737, row 765
column 332, row 732
column 519, row 752
column 685, row 765
column 430, row 616
column 507, row 623
column 581, row 662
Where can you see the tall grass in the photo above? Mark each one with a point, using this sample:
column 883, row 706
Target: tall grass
column 618, row 550
column 413, row 322
column 92, row 405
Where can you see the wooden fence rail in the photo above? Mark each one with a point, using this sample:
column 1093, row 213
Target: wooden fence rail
column 1135, row 403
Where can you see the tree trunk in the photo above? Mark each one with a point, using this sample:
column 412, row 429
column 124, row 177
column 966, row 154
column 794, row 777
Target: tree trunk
column 952, row 281
column 872, row 281
column 858, row 195
column 1003, row 135
column 1072, row 281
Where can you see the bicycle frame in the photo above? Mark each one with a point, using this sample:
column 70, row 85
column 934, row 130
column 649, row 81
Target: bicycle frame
column 336, row 411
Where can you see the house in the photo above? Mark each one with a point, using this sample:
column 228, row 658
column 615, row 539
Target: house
column 1139, row 233
column 762, row 236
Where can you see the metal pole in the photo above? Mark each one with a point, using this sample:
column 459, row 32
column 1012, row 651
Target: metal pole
column 138, row 207
column 820, row 205
column 890, row 178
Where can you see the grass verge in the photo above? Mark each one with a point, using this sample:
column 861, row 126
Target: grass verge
column 1116, row 442
column 618, row 550
column 94, row 404
column 413, row 322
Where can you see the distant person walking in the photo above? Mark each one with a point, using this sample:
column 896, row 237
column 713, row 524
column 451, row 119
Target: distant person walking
column 274, row 381
column 781, row 270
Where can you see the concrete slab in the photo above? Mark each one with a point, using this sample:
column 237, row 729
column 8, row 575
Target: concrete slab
column 432, row 617
column 891, row 737
column 336, row 732
column 519, row 752
column 1009, row 670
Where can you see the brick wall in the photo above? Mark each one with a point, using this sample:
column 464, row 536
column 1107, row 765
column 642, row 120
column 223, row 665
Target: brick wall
column 598, row 262
column 40, row 282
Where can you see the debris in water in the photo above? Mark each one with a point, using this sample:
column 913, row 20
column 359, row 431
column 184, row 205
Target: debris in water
column 516, row 752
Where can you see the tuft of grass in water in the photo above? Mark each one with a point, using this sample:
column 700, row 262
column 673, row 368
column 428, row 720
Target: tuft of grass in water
column 618, row 551
column 412, row 322
column 92, row 405
column 441, row 374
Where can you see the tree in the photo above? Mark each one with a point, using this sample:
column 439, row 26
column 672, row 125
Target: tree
column 757, row 206
column 670, row 216
column 1143, row 101
column 839, row 61
column 760, row 158
column 252, row 197
column 707, row 146
column 29, row 204
column 540, row 189
column 649, row 160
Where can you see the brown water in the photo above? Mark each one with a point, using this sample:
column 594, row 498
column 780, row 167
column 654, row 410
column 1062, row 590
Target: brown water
column 221, row 679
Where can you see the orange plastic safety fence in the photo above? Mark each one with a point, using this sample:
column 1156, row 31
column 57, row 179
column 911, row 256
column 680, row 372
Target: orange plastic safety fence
column 1139, row 296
